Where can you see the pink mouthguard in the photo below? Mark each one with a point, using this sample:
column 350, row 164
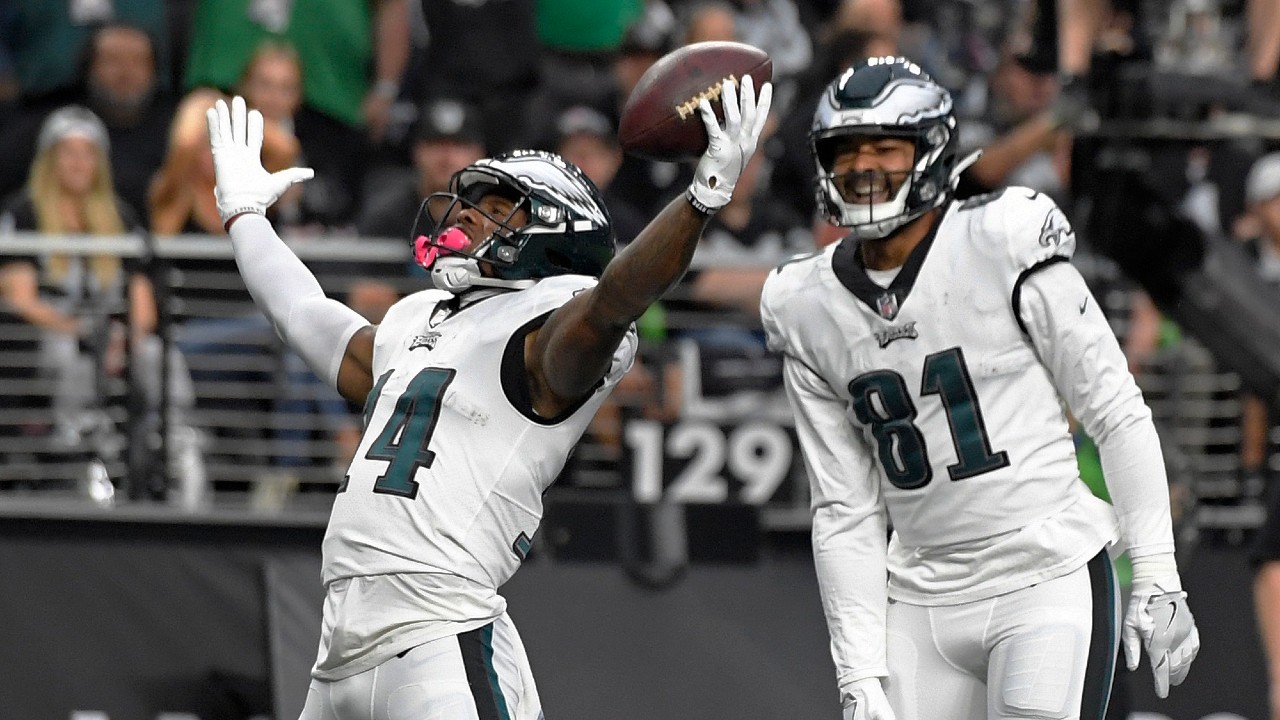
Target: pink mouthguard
column 426, row 250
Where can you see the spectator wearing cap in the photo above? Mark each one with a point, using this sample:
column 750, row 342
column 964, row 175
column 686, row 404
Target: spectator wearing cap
column 69, row 298
column 69, row 190
column 123, row 85
column 449, row 137
column 1262, row 195
column 586, row 138
column 1262, row 224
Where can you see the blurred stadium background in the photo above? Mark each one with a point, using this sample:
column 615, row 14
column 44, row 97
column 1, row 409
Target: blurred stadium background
column 671, row 576
column 164, row 561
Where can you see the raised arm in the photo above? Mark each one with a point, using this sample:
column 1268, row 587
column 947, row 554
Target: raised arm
column 572, row 351
column 334, row 340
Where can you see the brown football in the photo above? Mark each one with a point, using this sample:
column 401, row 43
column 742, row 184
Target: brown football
column 660, row 120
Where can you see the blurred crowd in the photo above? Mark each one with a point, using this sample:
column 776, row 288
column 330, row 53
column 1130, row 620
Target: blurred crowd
column 102, row 132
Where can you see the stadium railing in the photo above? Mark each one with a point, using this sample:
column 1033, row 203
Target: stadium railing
column 267, row 436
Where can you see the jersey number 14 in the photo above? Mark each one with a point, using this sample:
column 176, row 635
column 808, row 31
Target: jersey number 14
column 403, row 441
column 899, row 443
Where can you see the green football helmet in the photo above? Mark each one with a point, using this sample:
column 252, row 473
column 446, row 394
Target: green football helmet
column 569, row 230
column 890, row 97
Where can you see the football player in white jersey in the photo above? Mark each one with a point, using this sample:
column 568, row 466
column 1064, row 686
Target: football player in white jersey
column 474, row 392
column 928, row 357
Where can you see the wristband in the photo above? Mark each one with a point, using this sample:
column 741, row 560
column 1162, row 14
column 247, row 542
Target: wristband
column 235, row 215
column 704, row 209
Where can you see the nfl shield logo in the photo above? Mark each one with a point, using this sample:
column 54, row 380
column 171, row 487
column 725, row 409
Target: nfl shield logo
column 887, row 304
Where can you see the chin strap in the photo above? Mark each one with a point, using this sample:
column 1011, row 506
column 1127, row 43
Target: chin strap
column 459, row 274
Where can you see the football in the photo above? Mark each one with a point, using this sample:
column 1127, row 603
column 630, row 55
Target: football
column 660, row 120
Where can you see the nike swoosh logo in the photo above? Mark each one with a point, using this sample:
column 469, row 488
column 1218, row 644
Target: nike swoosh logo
column 1172, row 615
column 1084, row 305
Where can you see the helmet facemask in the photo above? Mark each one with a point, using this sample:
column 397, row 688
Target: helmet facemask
column 914, row 191
column 440, row 244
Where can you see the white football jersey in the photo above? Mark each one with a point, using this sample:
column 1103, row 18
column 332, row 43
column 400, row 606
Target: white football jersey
column 942, row 401
column 445, row 490
column 450, row 473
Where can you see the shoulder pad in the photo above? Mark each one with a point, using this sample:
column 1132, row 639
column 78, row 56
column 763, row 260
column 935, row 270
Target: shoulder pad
column 785, row 283
column 552, row 292
column 561, row 283
column 412, row 306
column 977, row 201
column 1027, row 226
column 793, row 273
column 797, row 258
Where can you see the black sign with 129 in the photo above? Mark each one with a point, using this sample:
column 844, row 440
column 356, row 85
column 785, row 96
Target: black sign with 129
column 692, row 461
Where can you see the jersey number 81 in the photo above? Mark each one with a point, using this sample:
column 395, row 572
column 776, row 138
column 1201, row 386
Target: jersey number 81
column 899, row 443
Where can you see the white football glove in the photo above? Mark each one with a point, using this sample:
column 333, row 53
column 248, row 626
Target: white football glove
column 866, row 701
column 729, row 148
column 243, row 185
column 1158, row 618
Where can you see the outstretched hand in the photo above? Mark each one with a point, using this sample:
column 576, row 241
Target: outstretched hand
column 243, row 185
column 729, row 147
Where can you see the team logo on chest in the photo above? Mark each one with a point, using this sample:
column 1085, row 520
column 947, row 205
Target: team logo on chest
column 896, row 332
column 427, row 340
column 887, row 305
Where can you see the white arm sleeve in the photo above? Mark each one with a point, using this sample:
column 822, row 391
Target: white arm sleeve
column 1074, row 341
column 318, row 328
column 850, row 528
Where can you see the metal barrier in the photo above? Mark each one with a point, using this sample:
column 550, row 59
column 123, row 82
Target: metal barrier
column 267, row 430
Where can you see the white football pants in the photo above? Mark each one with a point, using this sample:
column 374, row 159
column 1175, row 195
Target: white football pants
column 1046, row 652
column 479, row 675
